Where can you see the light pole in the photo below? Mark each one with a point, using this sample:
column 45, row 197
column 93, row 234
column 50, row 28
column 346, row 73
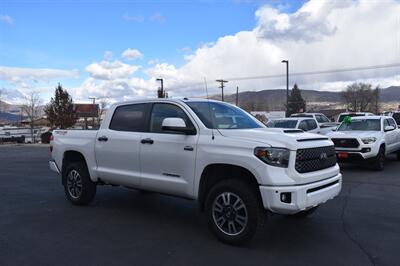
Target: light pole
column 287, row 85
column 161, row 91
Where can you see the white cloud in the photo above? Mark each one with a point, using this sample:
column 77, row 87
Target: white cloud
column 107, row 70
column 157, row 17
column 7, row 19
column 108, row 55
column 132, row 54
column 15, row 74
column 137, row 18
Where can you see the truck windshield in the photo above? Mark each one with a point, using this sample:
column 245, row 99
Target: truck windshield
column 361, row 125
column 342, row 116
column 282, row 123
column 222, row 116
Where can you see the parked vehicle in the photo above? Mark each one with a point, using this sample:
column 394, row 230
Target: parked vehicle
column 396, row 117
column 305, row 124
column 203, row 150
column 321, row 118
column 367, row 139
column 18, row 134
column 352, row 114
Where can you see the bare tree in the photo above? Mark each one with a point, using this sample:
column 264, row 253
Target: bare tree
column 31, row 108
column 360, row 97
column 104, row 102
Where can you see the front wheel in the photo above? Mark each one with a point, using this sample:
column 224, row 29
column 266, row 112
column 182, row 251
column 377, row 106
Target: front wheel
column 78, row 187
column 233, row 211
column 379, row 162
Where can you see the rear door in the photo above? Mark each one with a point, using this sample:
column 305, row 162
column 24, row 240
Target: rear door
column 117, row 147
column 312, row 126
column 167, row 159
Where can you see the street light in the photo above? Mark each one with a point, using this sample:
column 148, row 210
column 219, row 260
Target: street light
column 287, row 85
column 161, row 91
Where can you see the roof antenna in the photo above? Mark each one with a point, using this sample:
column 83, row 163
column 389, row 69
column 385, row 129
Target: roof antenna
column 209, row 110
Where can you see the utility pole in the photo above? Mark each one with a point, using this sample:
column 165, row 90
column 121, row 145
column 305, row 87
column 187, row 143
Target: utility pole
column 287, row 86
column 94, row 106
column 237, row 95
column 222, row 87
column 160, row 92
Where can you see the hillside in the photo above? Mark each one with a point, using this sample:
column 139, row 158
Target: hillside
column 275, row 99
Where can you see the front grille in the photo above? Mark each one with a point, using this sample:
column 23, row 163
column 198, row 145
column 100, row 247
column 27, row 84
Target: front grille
column 346, row 143
column 314, row 159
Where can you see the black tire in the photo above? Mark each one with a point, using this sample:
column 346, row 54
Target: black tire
column 78, row 187
column 379, row 161
column 303, row 214
column 252, row 210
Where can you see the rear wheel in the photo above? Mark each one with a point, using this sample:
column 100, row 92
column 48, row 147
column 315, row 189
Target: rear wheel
column 78, row 187
column 233, row 211
column 379, row 162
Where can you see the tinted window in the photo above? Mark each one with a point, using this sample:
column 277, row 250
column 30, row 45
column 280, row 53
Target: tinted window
column 163, row 110
column 386, row 123
column 392, row 123
column 396, row 117
column 223, row 116
column 282, row 123
column 130, row 118
column 311, row 124
column 303, row 125
column 361, row 125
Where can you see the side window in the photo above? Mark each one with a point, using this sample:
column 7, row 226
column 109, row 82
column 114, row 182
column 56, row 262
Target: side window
column 130, row 118
column 311, row 124
column 163, row 110
column 303, row 125
column 392, row 123
column 385, row 123
column 325, row 119
column 319, row 118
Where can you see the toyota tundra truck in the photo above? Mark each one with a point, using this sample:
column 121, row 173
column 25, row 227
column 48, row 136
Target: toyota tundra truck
column 213, row 152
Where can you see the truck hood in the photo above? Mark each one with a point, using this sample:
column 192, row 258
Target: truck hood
column 276, row 137
column 354, row 134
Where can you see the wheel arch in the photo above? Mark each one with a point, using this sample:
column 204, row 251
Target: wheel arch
column 214, row 173
column 71, row 156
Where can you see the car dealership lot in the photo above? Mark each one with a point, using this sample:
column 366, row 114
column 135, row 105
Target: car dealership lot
column 39, row 226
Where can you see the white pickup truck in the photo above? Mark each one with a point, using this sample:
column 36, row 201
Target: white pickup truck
column 367, row 139
column 203, row 150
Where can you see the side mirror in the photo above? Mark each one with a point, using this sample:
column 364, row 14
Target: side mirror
column 176, row 124
column 389, row 128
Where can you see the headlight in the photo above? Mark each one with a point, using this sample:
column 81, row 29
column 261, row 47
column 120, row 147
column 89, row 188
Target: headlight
column 368, row 140
column 273, row 156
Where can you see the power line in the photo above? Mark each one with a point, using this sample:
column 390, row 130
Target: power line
column 318, row 72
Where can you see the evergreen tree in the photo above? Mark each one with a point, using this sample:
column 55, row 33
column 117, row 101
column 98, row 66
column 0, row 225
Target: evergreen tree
column 296, row 102
column 60, row 111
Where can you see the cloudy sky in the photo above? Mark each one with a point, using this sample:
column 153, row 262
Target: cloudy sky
column 117, row 49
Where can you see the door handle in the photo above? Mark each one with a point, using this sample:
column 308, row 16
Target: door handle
column 188, row 148
column 147, row 141
column 102, row 138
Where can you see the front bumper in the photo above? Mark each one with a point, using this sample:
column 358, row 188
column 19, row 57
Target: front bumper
column 53, row 166
column 303, row 197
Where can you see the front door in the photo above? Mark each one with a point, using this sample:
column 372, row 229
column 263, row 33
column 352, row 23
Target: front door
column 168, row 158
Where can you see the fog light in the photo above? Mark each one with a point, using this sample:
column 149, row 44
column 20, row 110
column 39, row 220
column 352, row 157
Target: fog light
column 286, row 197
column 364, row 150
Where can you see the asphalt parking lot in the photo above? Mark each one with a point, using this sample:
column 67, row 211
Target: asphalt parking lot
column 38, row 226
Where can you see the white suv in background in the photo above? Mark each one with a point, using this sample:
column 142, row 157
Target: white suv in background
column 321, row 118
column 367, row 139
column 301, row 123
